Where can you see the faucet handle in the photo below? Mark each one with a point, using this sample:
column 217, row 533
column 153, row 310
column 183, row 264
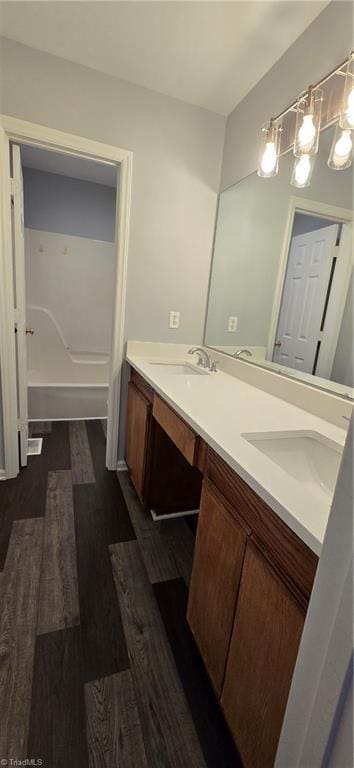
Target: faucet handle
column 213, row 366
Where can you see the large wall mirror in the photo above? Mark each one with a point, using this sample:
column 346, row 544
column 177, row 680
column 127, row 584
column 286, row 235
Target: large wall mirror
column 281, row 287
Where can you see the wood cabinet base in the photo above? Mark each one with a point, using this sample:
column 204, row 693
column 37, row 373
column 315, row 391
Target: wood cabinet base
column 262, row 656
column 252, row 576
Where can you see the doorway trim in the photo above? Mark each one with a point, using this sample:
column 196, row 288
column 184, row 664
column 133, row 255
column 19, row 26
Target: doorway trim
column 310, row 208
column 23, row 132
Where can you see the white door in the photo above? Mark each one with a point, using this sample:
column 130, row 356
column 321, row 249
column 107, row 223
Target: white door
column 304, row 297
column 20, row 300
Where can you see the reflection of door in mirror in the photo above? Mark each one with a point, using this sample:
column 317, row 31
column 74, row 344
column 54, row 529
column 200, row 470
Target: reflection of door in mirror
column 282, row 274
column 304, row 340
column 312, row 321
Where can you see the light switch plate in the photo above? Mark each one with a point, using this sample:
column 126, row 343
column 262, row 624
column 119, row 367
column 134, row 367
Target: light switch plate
column 174, row 319
column 232, row 324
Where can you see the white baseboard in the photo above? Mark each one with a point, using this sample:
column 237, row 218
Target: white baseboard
column 156, row 517
column 69, row 418
column 121, row 466
column 2, row 474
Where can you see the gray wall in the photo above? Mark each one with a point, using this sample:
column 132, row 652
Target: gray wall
column 176, row 175
column 323, row 45
column 56, row 203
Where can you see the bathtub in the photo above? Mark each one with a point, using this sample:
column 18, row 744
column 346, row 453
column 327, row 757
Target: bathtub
column 62, row 383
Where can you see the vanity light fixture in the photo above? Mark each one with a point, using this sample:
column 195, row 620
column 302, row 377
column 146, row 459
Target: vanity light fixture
column 269, row 158
column 346, row 119
column 308, row 122
column 302, row 171
column 301, row 133
column 341, row 151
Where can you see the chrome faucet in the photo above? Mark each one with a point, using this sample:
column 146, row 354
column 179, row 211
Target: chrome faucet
column 242, row 352
column 205, row 363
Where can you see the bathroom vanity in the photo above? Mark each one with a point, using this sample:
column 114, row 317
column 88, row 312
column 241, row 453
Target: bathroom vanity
column 258, row 538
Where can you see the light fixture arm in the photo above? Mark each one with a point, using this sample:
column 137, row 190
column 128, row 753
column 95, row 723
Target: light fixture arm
column 337, row 71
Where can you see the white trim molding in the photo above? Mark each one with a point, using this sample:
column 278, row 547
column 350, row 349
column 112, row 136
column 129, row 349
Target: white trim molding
column 21, row 131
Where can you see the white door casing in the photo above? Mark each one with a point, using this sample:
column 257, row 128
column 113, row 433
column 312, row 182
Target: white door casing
column 303, row 300
column 20, row 301
column 336, row 304
column 7, row 336
column 20, row 131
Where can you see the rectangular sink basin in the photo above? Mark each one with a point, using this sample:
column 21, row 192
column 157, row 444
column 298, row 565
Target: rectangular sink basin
column 307, row 456
column 182, row 369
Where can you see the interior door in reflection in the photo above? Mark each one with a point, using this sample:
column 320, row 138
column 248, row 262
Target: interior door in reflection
column 305, row 296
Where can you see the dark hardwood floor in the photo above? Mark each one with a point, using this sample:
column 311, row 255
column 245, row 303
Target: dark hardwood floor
column 98, row 668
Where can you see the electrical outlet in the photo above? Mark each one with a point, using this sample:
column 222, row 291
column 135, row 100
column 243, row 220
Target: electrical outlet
column 174, row 319
column 232, row 324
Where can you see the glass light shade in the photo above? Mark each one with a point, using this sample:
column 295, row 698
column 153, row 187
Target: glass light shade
column 346, row 118
column 302, row 171
column 342, row 149
column 269, row 156
column 308, row 123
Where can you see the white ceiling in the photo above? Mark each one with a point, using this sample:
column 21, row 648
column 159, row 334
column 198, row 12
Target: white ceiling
column 206, row 53
column 68, row 165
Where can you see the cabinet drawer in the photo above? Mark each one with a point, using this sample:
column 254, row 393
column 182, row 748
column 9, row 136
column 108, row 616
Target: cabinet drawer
column 180, row 433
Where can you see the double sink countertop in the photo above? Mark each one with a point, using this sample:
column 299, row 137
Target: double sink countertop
column 222, row 409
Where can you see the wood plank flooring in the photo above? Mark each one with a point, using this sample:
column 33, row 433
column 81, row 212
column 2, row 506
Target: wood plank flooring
column 98, row 668
column 81, row 462
column 18, row 621
column 114, row 734
column 58, row 596
column 104, row 648
column 57, row 724
column 165, row 718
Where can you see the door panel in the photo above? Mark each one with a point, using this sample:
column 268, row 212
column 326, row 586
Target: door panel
column 20, row 300
column 217, row 565
column 263, row 650
column 303, row 300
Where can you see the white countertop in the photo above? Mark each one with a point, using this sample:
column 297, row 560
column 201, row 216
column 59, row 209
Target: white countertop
column 220, row 408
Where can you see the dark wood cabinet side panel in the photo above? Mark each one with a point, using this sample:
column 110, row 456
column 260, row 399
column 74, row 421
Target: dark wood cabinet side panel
column 142, row 385
column 218, row 558
column 293, row 557
column 263, row 650
column 136, row 439
column 202, row 455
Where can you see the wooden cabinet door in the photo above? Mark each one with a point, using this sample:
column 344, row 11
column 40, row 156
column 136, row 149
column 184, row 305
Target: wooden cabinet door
column 264, row 646
column 136, row 439
column 218, row 557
